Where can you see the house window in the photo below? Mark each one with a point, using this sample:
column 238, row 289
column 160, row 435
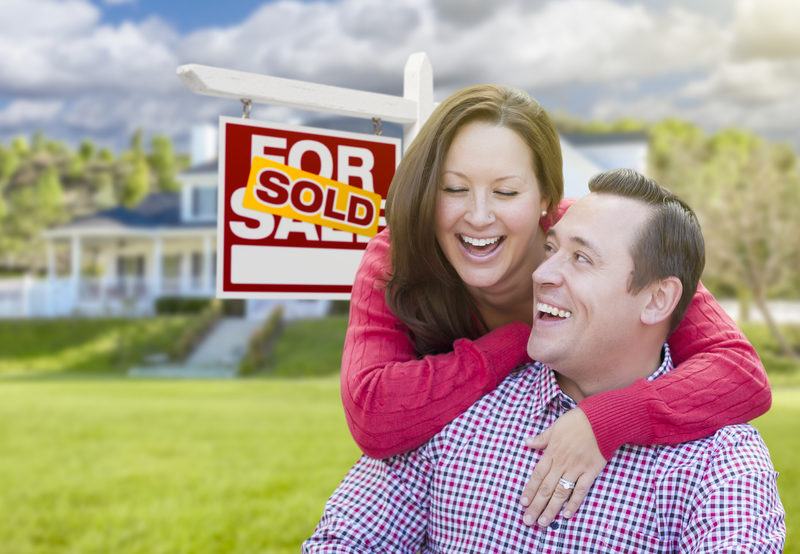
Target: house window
column 171, row 282
column 204, row 202
column 130, row 275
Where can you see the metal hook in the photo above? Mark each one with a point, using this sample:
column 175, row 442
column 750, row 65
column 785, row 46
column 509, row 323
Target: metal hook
column 247, row 105
column 377, row 126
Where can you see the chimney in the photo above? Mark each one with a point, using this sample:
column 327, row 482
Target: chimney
column 204, row 144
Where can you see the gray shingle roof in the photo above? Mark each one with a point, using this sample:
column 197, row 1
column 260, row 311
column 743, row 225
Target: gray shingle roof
column 158, row 210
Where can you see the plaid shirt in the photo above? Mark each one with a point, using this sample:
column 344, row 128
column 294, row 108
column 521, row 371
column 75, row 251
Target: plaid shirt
column 460, row 492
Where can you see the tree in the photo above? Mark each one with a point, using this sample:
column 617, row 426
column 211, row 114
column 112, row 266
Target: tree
column 745, row 192
column 9, row 162
column 163, row 163
column 137, row 184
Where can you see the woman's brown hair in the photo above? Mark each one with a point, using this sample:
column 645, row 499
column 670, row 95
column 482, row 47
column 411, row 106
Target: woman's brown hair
column 424, row 290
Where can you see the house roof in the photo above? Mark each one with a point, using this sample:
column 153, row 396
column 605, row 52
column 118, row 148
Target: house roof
column 205, row 167
column 157, row 210
column 582, row 139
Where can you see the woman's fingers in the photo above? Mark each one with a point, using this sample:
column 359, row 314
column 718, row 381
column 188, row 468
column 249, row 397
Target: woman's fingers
column 580, row 491
column 571, row 451
column 546, row 489
column 562, row 493
column 540, row 471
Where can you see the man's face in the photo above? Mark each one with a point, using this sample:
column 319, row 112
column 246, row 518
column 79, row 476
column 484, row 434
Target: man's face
column 584, row 278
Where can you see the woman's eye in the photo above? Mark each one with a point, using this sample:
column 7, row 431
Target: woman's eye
column 454, row 188
column 506, row 192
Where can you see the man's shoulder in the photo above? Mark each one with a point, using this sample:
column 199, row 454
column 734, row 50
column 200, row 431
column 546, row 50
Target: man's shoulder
column 733, row 450
column 508, row 400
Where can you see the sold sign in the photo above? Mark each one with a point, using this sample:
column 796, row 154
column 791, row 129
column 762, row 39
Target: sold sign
column 286, row 191
column 297, row 207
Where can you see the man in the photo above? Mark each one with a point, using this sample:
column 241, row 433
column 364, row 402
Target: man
column 621, row 267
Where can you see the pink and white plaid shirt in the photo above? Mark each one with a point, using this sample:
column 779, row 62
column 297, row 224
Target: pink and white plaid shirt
column 460, row 491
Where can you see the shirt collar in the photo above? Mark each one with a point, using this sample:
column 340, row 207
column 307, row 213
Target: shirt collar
column 544, row 386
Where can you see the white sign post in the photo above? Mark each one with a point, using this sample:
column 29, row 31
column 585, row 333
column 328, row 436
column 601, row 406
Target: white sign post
column 261, row 251
column 411, row 110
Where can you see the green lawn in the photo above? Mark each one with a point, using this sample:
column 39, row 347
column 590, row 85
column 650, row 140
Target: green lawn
column 98, row 346
column 97, row 466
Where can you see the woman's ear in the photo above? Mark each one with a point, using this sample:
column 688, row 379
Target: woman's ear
column 663, row 297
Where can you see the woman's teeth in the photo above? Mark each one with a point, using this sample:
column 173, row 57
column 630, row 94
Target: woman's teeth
column 479, row 242
column 552, row 310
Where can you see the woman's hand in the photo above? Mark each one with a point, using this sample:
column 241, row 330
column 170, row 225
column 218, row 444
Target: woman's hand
column 571, row 453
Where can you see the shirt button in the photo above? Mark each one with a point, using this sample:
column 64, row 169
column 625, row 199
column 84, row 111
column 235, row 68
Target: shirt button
column 554, row 525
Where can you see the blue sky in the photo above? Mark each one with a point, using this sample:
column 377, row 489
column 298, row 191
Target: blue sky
column 101, row 69
column 183, row 16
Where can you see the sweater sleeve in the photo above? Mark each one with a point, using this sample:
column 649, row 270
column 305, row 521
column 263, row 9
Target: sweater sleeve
column 395, row 401
column 718, row 380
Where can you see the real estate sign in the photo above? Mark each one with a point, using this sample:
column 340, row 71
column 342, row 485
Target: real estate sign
column 297, row 207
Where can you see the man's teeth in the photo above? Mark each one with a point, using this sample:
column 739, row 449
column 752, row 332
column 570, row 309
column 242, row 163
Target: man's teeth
column 479, row 242
column 552, row 310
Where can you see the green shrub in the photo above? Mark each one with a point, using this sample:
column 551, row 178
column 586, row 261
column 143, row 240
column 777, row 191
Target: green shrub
column 167, row 305
column 196, row 332
column 258, row 356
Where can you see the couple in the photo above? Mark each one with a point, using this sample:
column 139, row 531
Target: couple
column 609, row 283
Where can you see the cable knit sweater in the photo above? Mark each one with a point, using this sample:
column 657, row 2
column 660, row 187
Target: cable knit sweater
column 395, row 401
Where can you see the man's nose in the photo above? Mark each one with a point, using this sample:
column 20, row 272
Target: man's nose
column 549, row 271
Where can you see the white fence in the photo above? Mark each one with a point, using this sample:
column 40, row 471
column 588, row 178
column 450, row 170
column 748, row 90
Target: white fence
column 27, row 297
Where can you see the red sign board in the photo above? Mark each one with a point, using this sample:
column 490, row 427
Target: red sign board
column 264, row 255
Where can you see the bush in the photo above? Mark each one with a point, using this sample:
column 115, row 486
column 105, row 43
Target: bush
column 259, row 349
column 339, row 307
column 169, row 305
column 196, row 331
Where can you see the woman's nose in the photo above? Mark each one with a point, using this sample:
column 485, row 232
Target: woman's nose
column 480, row 213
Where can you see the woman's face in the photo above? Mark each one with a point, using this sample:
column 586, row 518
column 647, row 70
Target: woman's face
column 488, row 207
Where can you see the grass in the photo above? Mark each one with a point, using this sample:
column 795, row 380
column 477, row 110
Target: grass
column 111, row 465
column 98, row 346
column 310, row 348
column 175, row 467
column 782, row 371
column 96, row 466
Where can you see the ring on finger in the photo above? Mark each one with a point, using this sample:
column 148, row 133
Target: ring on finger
column 567, row 484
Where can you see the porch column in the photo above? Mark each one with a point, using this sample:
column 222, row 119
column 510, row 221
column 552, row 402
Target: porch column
column 206, row 282
column 51, row 262
column 158, row 248
column 51, row 277
column 186, row 271
column 75, row 267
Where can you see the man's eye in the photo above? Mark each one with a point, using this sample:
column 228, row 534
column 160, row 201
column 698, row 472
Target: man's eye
column 549, row 248
column 580, row 258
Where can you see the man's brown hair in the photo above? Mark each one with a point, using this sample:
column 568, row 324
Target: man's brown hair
column 670, row 243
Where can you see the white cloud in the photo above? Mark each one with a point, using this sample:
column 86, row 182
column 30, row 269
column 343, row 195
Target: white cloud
column 123, row 76
column 767, row 29
column 29, row 112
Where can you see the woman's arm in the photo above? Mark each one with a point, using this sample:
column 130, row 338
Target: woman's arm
column 393, row 401
column 718, row 380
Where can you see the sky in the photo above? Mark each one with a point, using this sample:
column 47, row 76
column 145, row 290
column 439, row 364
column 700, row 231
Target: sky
column 100, row 69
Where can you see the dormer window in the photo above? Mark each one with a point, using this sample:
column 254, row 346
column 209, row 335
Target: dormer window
column 204, row 203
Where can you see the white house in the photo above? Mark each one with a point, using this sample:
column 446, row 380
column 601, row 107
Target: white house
column 121, row 260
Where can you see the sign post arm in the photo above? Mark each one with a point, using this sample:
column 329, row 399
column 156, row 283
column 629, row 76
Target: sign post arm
column 265, row 89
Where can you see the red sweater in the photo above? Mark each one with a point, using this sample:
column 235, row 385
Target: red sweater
column 395, row 401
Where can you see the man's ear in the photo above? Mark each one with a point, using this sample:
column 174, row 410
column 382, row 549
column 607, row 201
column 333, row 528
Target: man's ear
column 662, row 298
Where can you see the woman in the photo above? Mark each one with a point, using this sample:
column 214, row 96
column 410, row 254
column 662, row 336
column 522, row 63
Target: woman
column 441, row 308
